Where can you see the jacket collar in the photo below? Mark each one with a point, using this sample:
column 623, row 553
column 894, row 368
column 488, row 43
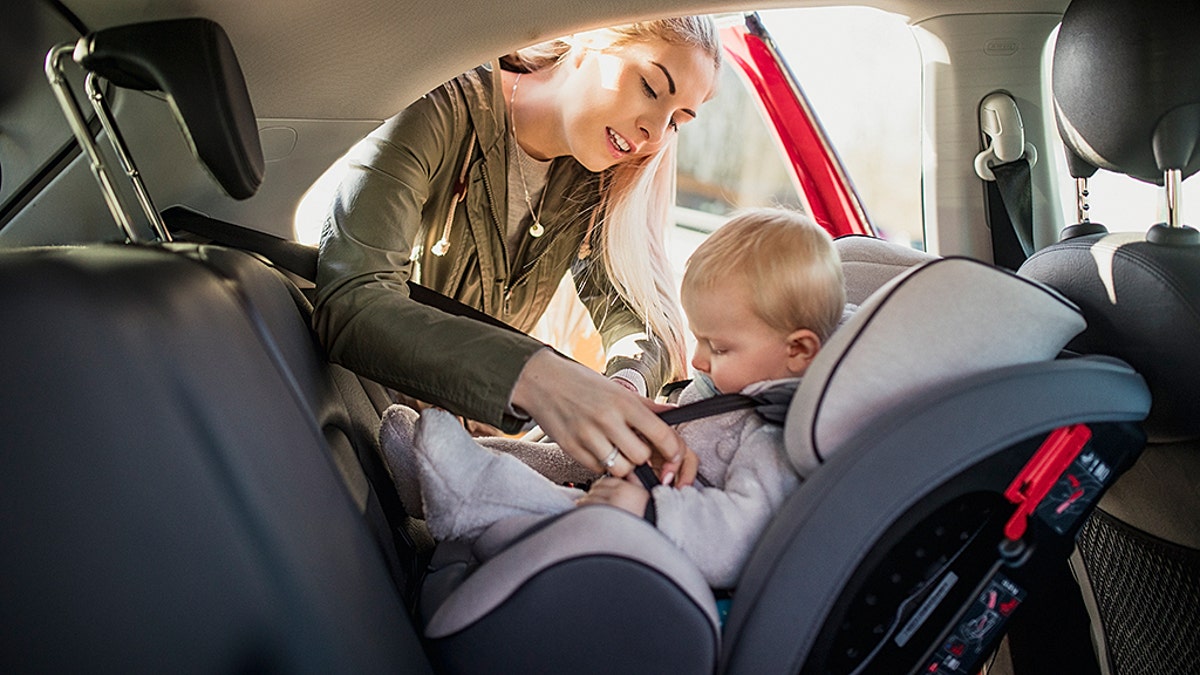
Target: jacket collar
column 485, row 105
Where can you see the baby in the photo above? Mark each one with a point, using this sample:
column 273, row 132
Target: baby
column 761, row 294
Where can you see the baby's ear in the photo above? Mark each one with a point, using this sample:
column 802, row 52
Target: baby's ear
column 802, row 347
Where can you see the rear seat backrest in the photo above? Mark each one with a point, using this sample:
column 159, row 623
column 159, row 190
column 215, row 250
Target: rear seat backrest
column 204, row 84
column 169, row 501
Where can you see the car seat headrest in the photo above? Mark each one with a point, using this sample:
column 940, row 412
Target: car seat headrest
column 191, row 61
column 870, row 262
column 941, row 321
column 1126, row 82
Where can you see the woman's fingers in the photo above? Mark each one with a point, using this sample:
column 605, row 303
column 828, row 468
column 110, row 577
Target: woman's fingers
column 589, row 415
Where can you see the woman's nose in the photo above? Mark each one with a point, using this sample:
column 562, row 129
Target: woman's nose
column 652, row 128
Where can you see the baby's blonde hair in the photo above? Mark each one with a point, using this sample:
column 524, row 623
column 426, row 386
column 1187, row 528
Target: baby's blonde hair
column 788, row 262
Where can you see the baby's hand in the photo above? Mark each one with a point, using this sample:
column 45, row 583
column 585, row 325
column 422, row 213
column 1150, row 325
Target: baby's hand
column 623, row 494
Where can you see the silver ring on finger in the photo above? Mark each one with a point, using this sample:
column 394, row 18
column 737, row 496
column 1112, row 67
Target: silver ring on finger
column 609, row 461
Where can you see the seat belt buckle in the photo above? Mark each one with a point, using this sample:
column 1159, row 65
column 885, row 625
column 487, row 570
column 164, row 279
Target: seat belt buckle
column 1046, row 469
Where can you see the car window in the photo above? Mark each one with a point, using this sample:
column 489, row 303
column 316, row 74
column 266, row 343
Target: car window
column 33, row 129
column 861, row 72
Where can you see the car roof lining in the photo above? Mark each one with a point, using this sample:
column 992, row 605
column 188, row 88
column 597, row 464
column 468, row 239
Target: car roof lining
column 291, row 74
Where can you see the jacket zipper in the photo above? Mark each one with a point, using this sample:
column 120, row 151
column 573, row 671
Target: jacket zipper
column 487, row 186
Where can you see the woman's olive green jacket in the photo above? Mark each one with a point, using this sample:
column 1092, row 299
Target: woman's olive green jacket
column 384, row 220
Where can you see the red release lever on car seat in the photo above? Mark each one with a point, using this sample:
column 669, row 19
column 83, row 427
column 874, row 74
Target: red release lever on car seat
column 1032, row 485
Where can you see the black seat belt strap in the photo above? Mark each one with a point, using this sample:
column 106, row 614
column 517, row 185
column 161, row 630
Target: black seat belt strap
column 1012, row 227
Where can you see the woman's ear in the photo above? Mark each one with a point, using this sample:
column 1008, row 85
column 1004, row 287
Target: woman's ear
column 802, row 347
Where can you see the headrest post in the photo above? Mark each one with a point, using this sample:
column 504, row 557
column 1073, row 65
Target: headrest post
column 66, row 100
column 117, row 141
column 1083, row 225
column 1082, row 208
column 1173, row 180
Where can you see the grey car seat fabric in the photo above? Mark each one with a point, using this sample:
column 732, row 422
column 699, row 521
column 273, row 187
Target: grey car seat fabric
column 910, row 451
column 1139, row 554
column 870, row 262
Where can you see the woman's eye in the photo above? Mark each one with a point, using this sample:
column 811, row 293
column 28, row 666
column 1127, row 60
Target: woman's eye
column 649, row 91
column 673, row 124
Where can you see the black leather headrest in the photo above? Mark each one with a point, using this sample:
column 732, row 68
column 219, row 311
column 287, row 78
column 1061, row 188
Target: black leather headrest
column 1142, row 305
column 1126, row 82
column 193, row 63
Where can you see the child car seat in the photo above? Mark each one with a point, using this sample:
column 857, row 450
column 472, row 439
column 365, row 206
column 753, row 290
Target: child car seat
column 1127, row 97
column 947, row 435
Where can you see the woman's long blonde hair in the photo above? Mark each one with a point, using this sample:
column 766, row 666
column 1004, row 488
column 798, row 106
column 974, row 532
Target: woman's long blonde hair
column 636, row 206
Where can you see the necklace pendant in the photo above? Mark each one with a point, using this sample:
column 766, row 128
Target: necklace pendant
column 536, row 230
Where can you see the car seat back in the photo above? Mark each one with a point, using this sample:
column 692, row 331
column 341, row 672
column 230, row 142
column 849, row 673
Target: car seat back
column 170, row 503
column 869, row 262
column 1139, row 555
column 920, row 413
column 188, row 483
column 192, row 62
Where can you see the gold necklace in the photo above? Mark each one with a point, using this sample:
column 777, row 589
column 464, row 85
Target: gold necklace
column 536, row 230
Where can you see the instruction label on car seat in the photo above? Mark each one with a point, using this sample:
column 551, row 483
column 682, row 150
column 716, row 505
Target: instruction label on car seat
column 975, row 635
column 1074, row 492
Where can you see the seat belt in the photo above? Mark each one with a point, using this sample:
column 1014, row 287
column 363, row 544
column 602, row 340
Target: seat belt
column 1004, row 165
column 770, row 404
column 299, row 259
column 1012, row 223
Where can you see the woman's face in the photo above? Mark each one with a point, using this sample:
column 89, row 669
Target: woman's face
column 625, row 102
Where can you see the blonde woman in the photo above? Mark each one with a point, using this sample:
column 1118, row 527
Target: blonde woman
column 489, row 189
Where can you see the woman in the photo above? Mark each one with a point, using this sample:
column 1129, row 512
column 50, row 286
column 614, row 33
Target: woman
column 492, row 187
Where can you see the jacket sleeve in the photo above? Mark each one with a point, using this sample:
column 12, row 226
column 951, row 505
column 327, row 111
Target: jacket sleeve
column 363, row 314
column 627, row 345
column 717, row 528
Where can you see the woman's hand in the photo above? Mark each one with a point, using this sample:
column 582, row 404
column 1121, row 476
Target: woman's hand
column 683, row 476
column 622, row 493
column 590, row 416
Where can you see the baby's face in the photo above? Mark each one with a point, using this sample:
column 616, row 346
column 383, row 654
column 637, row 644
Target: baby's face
column 734, row 347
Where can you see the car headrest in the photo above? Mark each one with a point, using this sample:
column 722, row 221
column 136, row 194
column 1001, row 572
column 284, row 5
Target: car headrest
column 1142, row 304
column 1126, row 82
column 941, row 321
column 191, row 61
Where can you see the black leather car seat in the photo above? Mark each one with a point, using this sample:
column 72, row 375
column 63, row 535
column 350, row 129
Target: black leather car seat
column 1126, row 83
column 187, row 482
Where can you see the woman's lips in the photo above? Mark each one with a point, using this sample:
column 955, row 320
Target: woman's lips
column 618, row 146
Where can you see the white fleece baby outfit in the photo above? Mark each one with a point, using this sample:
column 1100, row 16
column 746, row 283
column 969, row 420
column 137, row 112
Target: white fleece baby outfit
column 465, row 487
